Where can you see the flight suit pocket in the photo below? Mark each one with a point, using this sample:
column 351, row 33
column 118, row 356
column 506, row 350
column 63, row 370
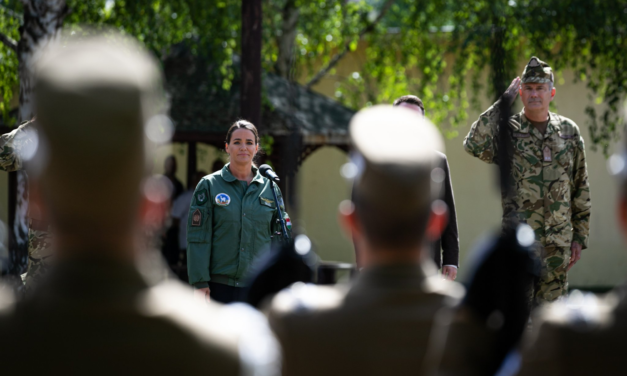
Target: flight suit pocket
column 266, row 211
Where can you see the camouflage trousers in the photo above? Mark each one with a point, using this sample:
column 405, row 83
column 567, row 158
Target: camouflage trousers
column 39, row 257
column 553, row 281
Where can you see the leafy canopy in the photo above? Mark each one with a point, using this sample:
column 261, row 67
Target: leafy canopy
column 436, row 49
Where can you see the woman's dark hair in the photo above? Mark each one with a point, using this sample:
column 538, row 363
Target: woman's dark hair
column 242, row 124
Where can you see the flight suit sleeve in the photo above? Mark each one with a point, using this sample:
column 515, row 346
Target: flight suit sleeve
column 581, row 196
column 11, row 145
column 481, row 140
column 199, row 236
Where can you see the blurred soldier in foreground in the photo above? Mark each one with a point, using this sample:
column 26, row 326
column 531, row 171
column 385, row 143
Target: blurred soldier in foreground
column 552, row 194
column 585, row 333
column 13, row 146
column 445, row 248
column 100, row 311
column 380, row 325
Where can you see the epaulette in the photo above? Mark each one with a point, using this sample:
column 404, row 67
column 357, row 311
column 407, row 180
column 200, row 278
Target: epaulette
column 437, row 285
column 308, row 297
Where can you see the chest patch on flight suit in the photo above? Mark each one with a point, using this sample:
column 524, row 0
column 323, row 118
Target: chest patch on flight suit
column 521, row 135
column 201, row 197
column 547, row 154
column 222, row 199
column 196, row 218
column 266, row 202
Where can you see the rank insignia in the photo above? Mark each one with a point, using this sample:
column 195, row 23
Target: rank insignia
column 547, row 154
column 196, row 218
column 201, row 197
column 222, row 199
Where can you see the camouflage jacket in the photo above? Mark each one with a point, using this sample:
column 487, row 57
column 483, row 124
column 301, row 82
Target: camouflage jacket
column 11, row 145
column 549, row 173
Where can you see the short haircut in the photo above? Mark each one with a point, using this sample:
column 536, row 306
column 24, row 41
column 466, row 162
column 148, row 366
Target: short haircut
column 384, row 231
column 410, row 99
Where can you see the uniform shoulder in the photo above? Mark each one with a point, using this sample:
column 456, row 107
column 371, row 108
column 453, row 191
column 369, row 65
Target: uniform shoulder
column 452, row 292
column 212, row 178
column 567, row 126
column 302, row 298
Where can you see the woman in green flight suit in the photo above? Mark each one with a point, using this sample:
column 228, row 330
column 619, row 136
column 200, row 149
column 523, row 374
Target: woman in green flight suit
column 231, row 220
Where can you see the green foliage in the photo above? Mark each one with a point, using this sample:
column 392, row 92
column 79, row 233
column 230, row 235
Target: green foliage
column 10, row 19
column 440, row 50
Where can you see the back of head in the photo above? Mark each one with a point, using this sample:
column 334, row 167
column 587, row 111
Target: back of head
column 93, row 97
column 411, row 100
column 394, row 152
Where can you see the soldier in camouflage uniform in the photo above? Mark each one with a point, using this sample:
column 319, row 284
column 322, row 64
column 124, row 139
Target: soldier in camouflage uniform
column 11, row 146
column 549, row 174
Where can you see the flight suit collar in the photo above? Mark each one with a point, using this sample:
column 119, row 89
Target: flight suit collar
column 228, row 176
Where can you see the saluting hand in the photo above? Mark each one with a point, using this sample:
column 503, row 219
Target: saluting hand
column 202, row 294
column 512, row 91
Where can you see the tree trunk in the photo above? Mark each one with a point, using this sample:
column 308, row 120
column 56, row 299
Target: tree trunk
column 286, row 40
column 250, row 99
column 42, row 21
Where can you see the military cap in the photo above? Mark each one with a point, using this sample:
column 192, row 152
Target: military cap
column 394, row 151
column 537, row 71
column 93, row 97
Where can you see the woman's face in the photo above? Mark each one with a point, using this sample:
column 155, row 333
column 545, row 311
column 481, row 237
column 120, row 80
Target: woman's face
column 242, row 147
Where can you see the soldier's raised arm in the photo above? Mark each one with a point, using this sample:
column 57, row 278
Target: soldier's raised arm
column 481, row 140
column 11, row 144
column 580, row 199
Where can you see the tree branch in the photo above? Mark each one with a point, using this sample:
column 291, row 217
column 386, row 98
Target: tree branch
column 8, row 42
column 335, row 59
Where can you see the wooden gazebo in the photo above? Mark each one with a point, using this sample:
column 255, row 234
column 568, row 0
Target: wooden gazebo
column 298, row 120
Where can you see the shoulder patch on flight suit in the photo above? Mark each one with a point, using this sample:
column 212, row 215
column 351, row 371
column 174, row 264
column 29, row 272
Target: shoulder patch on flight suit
column 201, row 197
column 197, row 218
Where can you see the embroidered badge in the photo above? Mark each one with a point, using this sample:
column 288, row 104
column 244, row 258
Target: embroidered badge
column 222, row 199
column 521, row 135
column 196, row 218
column 288, row 223
column 266, row 202
column 547, row 154
column 567, row 136
column 201, row 197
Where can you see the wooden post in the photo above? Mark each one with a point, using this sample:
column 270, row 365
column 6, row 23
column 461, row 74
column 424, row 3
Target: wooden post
column 191, row 164
column 250, row 98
